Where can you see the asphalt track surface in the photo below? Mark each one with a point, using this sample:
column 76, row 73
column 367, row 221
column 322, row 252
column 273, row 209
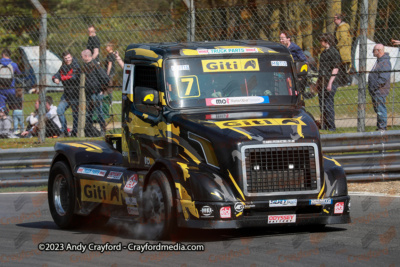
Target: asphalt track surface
column 372, row 239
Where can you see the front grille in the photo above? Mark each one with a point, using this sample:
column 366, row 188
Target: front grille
column 271, row 169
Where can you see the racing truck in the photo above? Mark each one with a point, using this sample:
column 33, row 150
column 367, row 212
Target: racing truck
column 214, row 135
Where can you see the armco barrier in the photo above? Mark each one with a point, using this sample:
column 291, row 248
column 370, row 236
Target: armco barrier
column 382, row 162
column 25, row 167
column 30, row 166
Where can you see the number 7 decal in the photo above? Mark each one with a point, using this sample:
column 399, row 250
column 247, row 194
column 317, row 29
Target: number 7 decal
column 189, row 85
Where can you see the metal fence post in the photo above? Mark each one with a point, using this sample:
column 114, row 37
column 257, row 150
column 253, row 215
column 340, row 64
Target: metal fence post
column 82, row 108
column 191, row 21
column 42, row 69
column 362, row 76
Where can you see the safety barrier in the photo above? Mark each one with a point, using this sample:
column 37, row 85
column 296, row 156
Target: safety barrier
column 30, row 166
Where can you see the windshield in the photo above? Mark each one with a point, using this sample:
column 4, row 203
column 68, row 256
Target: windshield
column 205, row 82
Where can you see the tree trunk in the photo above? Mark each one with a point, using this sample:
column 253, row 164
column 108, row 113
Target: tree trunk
column 298, row 8
column 274, row 33
column 372, row 9
column 253, row 21
column 353, row 16
column 334, row 7
column 307, row 32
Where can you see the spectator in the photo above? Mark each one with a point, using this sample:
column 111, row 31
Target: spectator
column 379, row 85
column 53, row 124
column 4, row 62
column 5, row 123
column 343, row 37
column 70, row 75
column 295, row 50
column 298, row 56
column 96, row 80
column 93, row 44
column 15, row 103
column 110, row 61
column 119, row 60
column 329, row 64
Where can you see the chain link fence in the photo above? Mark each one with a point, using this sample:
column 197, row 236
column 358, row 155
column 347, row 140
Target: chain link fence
column 304, row 20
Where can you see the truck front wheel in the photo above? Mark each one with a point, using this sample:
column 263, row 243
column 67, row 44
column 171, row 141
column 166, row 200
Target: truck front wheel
column 158, row 207
column 61, row 195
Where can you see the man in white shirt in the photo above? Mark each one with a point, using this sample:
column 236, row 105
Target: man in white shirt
column 53, row 124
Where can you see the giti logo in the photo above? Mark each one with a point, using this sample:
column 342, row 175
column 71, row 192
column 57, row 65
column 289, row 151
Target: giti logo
column 233, row 124
column 103, row 192
column 149, row 97
column 227, row 65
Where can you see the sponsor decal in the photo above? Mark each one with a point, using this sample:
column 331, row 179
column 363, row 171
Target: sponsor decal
column 339, row 208
column 131, row 183
column 249, row 206
column 239, row 207
column 279, row 63
column 225, row 212
column 114, row 175
column 229, row 65
column 283, row 203
column 133, row 210
column 180, row 67
column 227, row 51
column 103, row 192
column 131, row 201
column 90, row 171
column 324, row 201
column 235, row 115
column 277, row 141
column 247, row 100
column 206, row 211
column 281, row 219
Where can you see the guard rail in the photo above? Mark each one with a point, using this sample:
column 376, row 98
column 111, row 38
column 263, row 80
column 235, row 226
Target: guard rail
column 30, row 166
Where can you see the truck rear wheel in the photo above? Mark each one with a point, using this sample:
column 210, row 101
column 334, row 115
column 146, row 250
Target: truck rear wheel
column 159, row 216
column 61, row 195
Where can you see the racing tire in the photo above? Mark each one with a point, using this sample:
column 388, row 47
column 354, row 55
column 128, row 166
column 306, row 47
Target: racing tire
column 62, row 195
column 159, row 211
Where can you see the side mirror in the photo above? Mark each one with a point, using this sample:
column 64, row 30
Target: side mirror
column 146, row 95
column 302, row 69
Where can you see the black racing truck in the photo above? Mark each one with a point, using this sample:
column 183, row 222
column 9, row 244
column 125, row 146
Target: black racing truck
column 213, row 136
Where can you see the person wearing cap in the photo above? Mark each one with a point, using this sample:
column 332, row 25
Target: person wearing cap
column 5, row 123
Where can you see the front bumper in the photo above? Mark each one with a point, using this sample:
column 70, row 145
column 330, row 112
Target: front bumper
column 259, row 214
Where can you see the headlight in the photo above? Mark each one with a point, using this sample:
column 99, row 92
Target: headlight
column 208, row 149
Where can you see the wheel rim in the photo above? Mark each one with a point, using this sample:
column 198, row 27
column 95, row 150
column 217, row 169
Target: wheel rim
column 157, row 208
column 60, row 195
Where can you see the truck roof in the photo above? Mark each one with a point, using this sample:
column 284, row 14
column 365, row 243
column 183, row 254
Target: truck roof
column 156, row 51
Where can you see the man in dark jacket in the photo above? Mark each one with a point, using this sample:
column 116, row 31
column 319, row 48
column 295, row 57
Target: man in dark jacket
column 379, row 85
column 70, row 75
column 96, row 79
column 295, row 50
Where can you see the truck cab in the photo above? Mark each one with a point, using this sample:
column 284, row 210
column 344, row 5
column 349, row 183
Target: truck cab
column 213, row 136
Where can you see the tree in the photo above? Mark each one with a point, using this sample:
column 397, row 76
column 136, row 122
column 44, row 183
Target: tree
column 372, row 11
column 334, row 7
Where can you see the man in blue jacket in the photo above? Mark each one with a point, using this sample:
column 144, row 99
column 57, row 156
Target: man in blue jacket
column 379, row 85
column 295, row 50
column 5, row 61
